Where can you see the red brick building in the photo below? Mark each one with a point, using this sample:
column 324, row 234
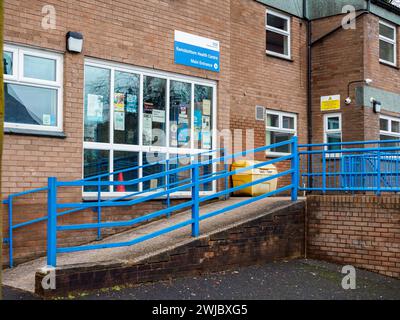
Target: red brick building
column 126, row 95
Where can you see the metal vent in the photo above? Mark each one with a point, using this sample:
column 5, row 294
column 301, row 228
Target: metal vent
column 260, row 113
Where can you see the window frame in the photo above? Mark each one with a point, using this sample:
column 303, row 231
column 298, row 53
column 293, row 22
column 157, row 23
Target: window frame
column 330, row 131
column 279, row 129
column 279, row 31
column 18, row 78
column 390, row 41
column 389, row 133
column 140, row 148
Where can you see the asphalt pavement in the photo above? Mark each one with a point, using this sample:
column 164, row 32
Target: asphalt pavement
column 294, row 280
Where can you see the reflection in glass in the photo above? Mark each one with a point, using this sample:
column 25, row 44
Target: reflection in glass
column 386, row 31
column 386, row 51
column 157, row 183
column 334, row 138
column 273, row 120
column 278, row 43
column 154, row 111
column 384, row 125
column 39, row 68
column 126, row 108
column 8, row 62
column 125, row 160
column 180, row 114
column 182, row 177
column 277, row 22
column 97, row 104
column 205, row 172
column 276, row 137
column 203, row 122
column 96, row 162
column 333, row 123
column 30, row 105
column 287, row 122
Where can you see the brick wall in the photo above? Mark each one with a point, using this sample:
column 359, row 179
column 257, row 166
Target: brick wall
column 274, row 236
column 260, row 79
column 337, row 60
column 363, row 231
column 344, row 56
column 140, row 33
column 385, row 77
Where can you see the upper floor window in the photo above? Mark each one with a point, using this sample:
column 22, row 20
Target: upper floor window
column 280, row 127
column 387, row 43
column 32, row 89
column 278, row 34
column 389, row 130
column 333, row 130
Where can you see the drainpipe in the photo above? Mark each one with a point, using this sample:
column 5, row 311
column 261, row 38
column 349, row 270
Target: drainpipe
column 309, row 86
column 309, row 114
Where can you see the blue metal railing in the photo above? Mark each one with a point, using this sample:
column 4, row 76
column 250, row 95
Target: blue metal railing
column 367, row 166
column 194, row 183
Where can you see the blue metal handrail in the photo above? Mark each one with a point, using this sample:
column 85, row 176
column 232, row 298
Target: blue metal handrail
column 360, row 166
column 193, row 183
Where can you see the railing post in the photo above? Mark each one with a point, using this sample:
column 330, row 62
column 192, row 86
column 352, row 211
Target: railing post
column 295, row 168
column 379, row 174
column 99, row 208
column 324, row 171
column 10, row 231
column 226, row 169
column 52, row 222
column 167, row 187
column 196, row 201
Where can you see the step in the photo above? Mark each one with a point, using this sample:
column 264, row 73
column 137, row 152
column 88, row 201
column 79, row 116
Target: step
column 23, row 276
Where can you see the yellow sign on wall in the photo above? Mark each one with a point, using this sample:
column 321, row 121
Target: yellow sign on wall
column 329, row 103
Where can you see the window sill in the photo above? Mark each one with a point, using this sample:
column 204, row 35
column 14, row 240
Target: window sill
column 38, row 133
column 279, row 57
column 388, row 64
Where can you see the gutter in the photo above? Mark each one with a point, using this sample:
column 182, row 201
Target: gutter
column 386, row 5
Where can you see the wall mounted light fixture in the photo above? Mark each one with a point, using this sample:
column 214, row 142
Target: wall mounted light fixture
column 74, row 42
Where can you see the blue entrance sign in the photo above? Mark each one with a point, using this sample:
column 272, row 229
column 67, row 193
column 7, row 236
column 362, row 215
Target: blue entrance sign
column 197, row 52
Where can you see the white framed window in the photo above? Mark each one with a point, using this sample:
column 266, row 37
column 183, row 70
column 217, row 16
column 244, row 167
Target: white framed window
column 33, row 84
column 389, row 130
column 135, row 117
column 278, row 34
column 387, row 43
column 280, row 126
column 333, row 130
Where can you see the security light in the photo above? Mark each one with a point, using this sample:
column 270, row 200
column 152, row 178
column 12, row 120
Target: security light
column 377, row 105
column 367, row 81
column 74, row 42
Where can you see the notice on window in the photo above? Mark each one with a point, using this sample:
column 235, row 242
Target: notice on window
column 183, row 119
column 206, row 140
column 119, row 121
column 206, row 107
column 159, row 116
column 47, row 120
column 95, row 107
column 147, row 129
column 119, row 102
column 131, row 103
column 174, row 133
column 183, row 135
column 183, row 110
column 329, row 103
column 205, row 124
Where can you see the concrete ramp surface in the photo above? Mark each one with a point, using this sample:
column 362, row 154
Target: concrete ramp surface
column 267, row 230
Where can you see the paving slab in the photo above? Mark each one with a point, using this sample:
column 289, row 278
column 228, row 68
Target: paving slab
column 22, row 277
